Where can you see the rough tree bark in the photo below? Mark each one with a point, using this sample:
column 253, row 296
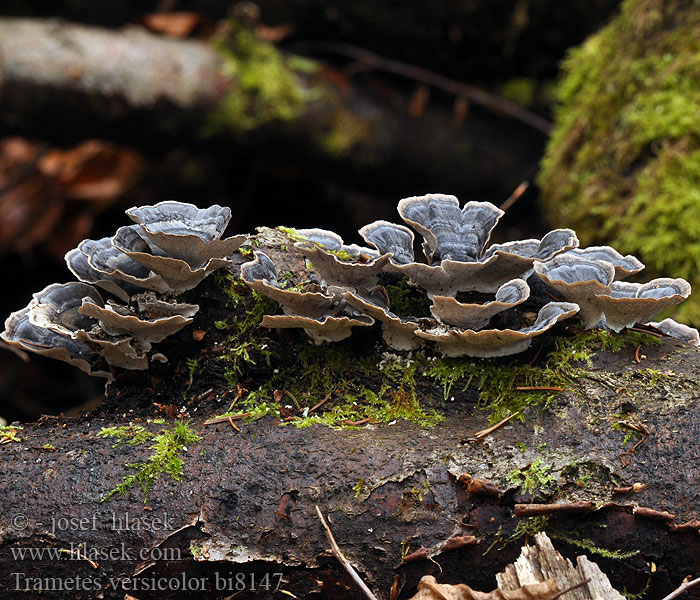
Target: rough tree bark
column 403, row 500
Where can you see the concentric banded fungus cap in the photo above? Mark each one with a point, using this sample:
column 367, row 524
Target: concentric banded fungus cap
column 555, row 242
column 78, row 265
column 118, row 320
column 628, row 303
column 475, row 316
column 624, row 265
column 177, row 274
column 326, row 329
column 497, row 342
column 186, row 232
column 110, row 263
column 578, row 280
column 450, row 232
column 342, row 274
column 20, row 332
column 679, row 331
column 260, row 275
column 57, row 307
column 390, row 238
column 398, row 333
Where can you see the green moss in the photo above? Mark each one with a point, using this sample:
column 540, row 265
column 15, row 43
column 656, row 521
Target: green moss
column 623, row 162
column 533, row 477
column 406, row 299
column 497, row 382
column 270, row 86
column 591, row 548
column 166, row 447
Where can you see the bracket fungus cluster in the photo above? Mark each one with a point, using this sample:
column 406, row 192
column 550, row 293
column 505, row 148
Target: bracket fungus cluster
column 483, row 300
column 460, row 268
column 172, row 247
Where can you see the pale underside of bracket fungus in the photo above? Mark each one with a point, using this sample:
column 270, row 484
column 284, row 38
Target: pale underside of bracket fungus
column 325, row 329
column 497, row 342
column 310, row 301
column 170, row 249
column 476, row 316
column 398, row 333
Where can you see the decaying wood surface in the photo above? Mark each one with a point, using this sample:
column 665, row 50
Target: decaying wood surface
column 433, row 500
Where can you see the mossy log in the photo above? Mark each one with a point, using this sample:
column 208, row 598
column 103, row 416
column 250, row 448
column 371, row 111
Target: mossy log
column 157, row 495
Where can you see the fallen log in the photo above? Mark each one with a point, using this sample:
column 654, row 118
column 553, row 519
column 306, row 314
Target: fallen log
column 166, row 491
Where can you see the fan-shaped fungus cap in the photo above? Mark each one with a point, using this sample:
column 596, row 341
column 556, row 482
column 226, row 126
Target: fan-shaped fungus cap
column 105, row 262
column 398, row 333
column 628, row 303
column 183, row 231
column 390, row 238
column 57, row 307
column 118, row 320
column 325, row 329
column 475, row 316
column 260, row 274
column 451, row 232
column 624, row 265
column 177, row 274
column 78, row 265
column 496, row 342
column 342, row 274
column 681, row 332
column 20, row 332
column 553, row 243
column 578, row 280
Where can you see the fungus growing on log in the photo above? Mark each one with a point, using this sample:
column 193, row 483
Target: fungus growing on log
column 171, row 249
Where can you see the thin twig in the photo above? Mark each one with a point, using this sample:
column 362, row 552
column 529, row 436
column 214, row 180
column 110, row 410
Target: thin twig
column 321, row 403
column 636, row 355
column 569, row 589
column 236, row 427
column 686, row 585
column 539, row 388
column 492, row 102
column 484, row 432
column 515, row 196
column 341, row 558
column 227, row 417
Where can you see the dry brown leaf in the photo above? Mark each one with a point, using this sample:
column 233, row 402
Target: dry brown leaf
column 52, row 196
column 430, row 589
column 176, row 24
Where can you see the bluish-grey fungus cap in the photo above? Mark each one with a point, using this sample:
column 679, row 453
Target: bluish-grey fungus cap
column 476, row 316
column 578, row 280
column 260, row 275
column 20, row 332
column 496, row 342
column 183, row 231
column 681, row 332
column 78, row 264
column 628, row 303
column 624, row 265
column 344, row 274
column 57, row 307
column 397, row 332
column 177, row 275
column 450, row 232
column 325, row 329
column 388, row 237
column 555, row 242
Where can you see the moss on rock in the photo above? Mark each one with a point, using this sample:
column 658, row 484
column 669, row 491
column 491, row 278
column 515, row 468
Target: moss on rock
column 623, row 163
